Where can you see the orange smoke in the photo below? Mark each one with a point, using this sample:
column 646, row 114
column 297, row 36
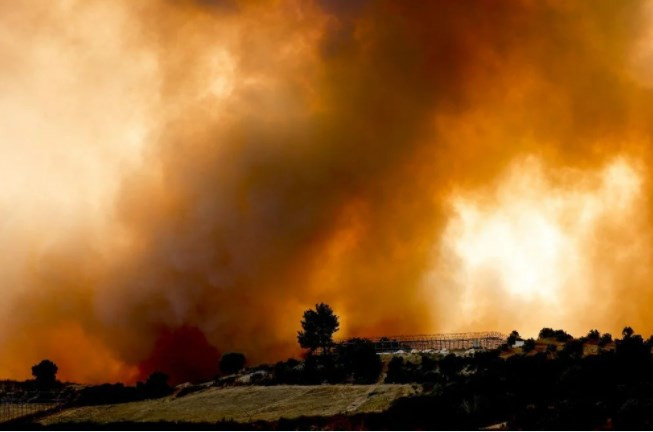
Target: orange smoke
column 203, row 171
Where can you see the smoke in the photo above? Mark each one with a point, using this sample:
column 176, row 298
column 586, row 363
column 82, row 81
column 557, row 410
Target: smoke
column 206, row 170
column 184, row 353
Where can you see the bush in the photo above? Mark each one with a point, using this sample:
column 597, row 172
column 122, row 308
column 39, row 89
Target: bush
column 593, row 335
column 287, row 372
column 546, row 333
column 572, row 349
column 529, row 345
column 605, row 339
column 231, row 363
column 317, row 370
column 45, row 373
column 108, row 394
column 514, row 335
column 388, row 345
column 428, row 363
column 627, row 332
column 562, row 336
column 634, row 356
column 450, row 365
column 358, row 358
column 396, row 372
column 155, row 386
column 559, row 335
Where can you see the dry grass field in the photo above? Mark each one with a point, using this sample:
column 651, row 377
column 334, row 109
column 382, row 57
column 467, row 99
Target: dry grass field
column 242, row 404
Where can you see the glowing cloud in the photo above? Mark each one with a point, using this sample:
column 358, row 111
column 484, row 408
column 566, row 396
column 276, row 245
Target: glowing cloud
column 530, row 244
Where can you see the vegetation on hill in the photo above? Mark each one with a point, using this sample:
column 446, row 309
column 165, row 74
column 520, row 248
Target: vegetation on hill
column 552, row 382
column 580, row 386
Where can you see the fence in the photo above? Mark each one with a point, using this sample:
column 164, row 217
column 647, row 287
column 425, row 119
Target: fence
column 18, row 405
column 14, row 411
column 449, row 341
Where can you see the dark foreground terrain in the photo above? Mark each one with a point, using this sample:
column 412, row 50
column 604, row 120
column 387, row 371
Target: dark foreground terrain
column 556, row 382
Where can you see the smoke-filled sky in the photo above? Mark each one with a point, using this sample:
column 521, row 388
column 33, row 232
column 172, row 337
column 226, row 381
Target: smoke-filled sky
column 179, row 179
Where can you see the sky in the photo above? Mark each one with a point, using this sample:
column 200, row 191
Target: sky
column 181, row 179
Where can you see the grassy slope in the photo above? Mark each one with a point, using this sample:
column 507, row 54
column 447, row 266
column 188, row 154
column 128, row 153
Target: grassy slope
column 243, row 404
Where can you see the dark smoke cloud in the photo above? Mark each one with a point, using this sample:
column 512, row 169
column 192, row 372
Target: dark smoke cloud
column 184, row 353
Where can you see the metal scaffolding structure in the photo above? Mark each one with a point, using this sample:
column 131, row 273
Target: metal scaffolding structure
column 448, row 341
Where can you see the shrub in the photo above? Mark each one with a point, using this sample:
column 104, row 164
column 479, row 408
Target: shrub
column 231, row 363
column 108, row 394
column 572, row 349
column 358, row 358
column 428, row 363
column 605, row 339
column 562, row 336
column 387, row 344
column 396, row 373
column 287, row 372
column 546, row 333
column 529, row 345
column 45, row 373
column 593, row 335
column 155, row 386
column 514, row 335
column 450, row 365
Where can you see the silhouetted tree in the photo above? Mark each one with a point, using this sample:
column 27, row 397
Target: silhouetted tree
column 45, row 373
column 593, row 335
column 562, row 336
column 605, row 339
column 514, row 335
column 546, row 333
column 529, row 345
column 318, row 327
column 572, row 349
column 156, row 385
column 231, row 363
column 634, row 354
column 396, row 371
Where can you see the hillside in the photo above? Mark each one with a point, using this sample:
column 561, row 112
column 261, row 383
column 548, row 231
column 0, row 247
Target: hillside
column 242, row 404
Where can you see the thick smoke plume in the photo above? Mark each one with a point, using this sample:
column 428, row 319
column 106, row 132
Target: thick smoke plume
column 186, row 177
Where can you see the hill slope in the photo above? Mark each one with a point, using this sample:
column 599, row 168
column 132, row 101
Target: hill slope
column 242, row 404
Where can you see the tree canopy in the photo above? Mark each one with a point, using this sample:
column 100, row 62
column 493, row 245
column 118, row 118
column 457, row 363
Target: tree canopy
column 231, row 363
column 45, row 372
column 514, row 335
column 318, row 327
